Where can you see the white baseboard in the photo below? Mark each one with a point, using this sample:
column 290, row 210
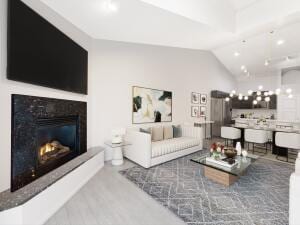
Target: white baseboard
column 40, row 208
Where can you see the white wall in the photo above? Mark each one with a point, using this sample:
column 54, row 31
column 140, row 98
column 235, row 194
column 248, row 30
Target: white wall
column 119, row 66
column 10, row 87
column 291, row 77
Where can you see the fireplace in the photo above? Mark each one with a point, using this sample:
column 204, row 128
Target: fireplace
column 57, row 139
column 46, row 133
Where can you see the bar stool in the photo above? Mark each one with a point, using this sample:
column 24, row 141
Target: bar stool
column 230, row 133
column 256, row 137
column 289, row 141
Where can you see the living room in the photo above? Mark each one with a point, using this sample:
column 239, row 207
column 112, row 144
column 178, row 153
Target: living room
column 135, row 47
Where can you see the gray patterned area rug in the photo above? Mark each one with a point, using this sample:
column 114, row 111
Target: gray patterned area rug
column 261, row 197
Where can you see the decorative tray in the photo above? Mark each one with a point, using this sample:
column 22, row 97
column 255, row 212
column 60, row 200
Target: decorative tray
column 222, row 162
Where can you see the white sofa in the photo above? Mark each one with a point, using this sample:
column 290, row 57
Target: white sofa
column 147, row 153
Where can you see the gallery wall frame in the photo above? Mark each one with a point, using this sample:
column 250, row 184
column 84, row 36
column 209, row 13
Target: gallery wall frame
column 195, row 111
column 203, row 99
column 195, row 98
column 202, row 111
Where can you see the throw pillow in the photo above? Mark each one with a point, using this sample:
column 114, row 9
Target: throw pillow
column 168, row 132
column 157, row 133
column 177, row 131
column 145, row 130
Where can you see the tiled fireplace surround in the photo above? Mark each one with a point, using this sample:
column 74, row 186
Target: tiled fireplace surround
column 46, row 133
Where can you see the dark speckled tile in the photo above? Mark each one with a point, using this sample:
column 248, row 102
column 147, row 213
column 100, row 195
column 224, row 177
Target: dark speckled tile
column 26, row 112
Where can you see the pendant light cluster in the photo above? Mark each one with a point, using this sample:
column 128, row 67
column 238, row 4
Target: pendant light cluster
column 259, row 95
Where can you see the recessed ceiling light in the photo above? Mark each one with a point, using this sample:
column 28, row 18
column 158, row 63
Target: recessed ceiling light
column 245, row 71
column 255, row 102
column 280, row 42
column 108, row 6
column 290, row 96
column 243, row 67
column 267, row 99
column 250, row 92
column 260, row 87
column 288, row 91
column 236, row 54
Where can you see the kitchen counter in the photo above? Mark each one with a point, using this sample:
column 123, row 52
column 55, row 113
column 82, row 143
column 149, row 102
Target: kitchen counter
column 268, row 120
column 266, row 128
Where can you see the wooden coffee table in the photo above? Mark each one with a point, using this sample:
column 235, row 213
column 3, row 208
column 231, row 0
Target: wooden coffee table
column 225, row 175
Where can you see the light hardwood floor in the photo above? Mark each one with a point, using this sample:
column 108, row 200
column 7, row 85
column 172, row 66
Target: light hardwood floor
column 110, row 199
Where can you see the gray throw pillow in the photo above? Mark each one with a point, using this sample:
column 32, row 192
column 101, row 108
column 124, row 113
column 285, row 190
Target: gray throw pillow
column 177, row 131
column 145, row 130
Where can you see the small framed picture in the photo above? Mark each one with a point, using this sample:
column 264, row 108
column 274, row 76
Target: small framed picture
column 195, row 111
column 202, row 111
column 195, row 98
column 203, row 99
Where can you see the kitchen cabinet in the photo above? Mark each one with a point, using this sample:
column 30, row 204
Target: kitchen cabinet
column 242, row 104
column 248, row 104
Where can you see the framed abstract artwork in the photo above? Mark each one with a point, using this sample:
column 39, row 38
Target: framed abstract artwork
column 202, row 111
column 151, row 105
column 203, row 99
column 195, row 111
column 195, row 98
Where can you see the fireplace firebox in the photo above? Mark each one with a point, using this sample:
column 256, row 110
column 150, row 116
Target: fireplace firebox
column 46, row 133
column 57, row 139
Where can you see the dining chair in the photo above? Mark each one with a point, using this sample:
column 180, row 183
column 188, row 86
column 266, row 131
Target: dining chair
column 257, row 137
column 230, row 133
column 290, row 141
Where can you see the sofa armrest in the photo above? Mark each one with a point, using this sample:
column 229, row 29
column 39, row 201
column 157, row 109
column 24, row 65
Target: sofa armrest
column 140, row 149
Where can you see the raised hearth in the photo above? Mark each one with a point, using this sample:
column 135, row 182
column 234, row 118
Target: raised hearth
column 46, row 133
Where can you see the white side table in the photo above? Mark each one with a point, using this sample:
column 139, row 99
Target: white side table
column 117, row 152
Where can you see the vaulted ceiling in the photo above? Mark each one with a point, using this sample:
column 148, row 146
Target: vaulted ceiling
column 216, row 25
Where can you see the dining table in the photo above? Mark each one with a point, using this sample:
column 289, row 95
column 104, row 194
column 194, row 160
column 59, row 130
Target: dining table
column 276, row 150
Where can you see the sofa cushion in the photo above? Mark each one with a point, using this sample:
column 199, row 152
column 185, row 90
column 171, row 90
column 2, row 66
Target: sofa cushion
column 145, row 130
column 157, row 133
column 164, row 147
column 177, row 131
column 168, row 132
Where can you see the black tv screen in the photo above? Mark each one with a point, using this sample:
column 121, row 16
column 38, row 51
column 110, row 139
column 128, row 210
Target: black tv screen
column 39, row 53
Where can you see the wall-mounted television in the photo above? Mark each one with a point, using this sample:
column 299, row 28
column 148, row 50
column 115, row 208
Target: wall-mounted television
column 40, row 54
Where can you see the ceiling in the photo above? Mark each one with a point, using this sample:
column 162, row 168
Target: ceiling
column 261, row 47
column 241, row 4
column 216, row 25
